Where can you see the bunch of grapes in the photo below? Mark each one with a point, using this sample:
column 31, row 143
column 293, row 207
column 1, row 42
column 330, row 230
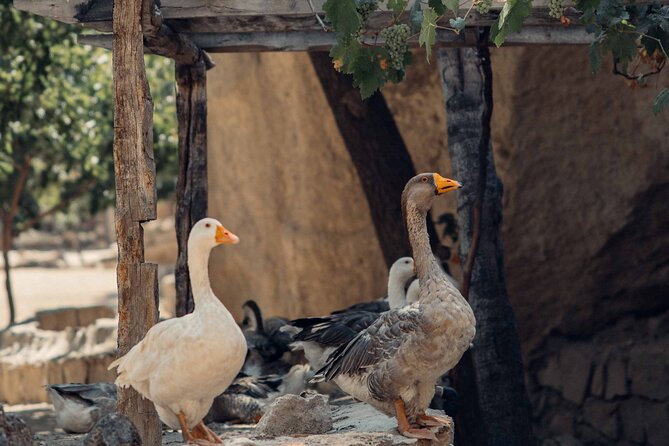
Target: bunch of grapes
column 483, row 6
column 555, row 8
column 366, row 7
column 395, row 38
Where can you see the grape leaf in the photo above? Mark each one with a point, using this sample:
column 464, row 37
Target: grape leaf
column 457, row 23
column 416, row 16
column 453, row 5
column 514, row 12
column 367, row 73
column 345, row 51
column 428, row 31
column 661, row 101
column 343, row 15
column 397, row 6
column 437, row 5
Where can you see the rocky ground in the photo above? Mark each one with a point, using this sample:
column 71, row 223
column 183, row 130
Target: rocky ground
column 353, row 424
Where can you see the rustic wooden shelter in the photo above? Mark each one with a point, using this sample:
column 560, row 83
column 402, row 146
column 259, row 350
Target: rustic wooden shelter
column 186, row 30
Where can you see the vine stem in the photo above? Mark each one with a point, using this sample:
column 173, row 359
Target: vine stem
column 320, row 21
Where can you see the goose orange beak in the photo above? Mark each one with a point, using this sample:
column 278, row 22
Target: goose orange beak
column 225, row 237
column 445, row 184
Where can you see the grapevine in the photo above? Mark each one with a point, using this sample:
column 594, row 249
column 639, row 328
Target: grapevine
column 483, row 6
column 366, row 7
column 555, row 8
column 395, row 38
column 637, row 36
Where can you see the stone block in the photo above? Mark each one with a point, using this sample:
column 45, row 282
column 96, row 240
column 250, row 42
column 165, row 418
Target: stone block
column 649, row 370
column 576, row 367
column 602, row 416
column 61, row 318
column 597, row 383
column 616, row 379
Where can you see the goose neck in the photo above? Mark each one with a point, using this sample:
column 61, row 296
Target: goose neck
column 198, row 270
column 426, row 263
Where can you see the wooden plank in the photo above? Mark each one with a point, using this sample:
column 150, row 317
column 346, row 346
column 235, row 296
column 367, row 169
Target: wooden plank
column 192, row 189
column 134, row 168
column 320, row 41
column 225, row 16
column 138, row 309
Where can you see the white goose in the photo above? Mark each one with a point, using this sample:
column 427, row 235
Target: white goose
column 180, row 365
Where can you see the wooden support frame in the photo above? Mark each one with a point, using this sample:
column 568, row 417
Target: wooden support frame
column 135, row 171
column 192, row 180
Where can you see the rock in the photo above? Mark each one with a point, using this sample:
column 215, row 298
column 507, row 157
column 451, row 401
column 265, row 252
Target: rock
column 597, row 383
column 241, row 441
column 13, row 430
column 649, row 370
column 113, row 430
column 616, row 379
column 601, row 416
column 575, row 367
column 295, row 415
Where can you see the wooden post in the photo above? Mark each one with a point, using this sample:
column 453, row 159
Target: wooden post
column 192, row 180
column 378, row 152
column 493, row 405
column 135, row 172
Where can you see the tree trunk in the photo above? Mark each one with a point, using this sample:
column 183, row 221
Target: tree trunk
column 378, row 152
column 493, row 409
column 134, row 169
column 6, row 247
column 192, row 180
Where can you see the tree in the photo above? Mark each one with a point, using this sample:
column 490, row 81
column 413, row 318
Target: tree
column 56, row 125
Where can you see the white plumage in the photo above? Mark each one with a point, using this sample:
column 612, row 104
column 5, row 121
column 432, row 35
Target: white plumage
column 182, row 364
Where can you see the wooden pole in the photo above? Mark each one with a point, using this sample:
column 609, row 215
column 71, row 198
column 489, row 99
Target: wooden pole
column 135, row 172
column 192, row 179
column 493, row 405
column 378, row 152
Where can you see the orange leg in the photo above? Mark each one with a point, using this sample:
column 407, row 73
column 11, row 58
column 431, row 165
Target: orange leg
column 208, row 433
column 185, row 432
column 404, row 426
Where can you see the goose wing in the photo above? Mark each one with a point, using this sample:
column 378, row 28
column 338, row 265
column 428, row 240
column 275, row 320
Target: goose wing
column 335, row 329
column 377, row 343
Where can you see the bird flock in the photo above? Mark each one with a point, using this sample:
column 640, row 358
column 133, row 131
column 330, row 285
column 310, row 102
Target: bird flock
column 391, row 353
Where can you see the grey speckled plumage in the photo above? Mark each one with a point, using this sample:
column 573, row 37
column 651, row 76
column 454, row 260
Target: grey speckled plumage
column 79, row 406
column 403, row 353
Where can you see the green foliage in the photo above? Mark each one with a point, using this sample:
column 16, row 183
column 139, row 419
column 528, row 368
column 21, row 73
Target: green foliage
column 428, row 31
column 624, row 30
column 514, row 12
column 56, row 109
column 344, row 16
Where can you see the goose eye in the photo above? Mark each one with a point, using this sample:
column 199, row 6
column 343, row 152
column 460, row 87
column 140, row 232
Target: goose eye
column 424, row 179
column 208, row 225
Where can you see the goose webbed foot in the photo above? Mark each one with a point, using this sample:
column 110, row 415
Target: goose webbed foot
column 405, row 427
column 432, row 420
column 202, row 432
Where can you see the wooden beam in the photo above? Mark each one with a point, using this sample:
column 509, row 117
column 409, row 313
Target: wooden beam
column 134, row 168
column 322, row 41
column 230, row 16
column 192, row 178
column 159, row 38
column 495, row 408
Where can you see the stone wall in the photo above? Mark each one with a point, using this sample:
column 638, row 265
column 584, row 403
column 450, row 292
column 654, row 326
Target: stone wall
column 584, row 166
